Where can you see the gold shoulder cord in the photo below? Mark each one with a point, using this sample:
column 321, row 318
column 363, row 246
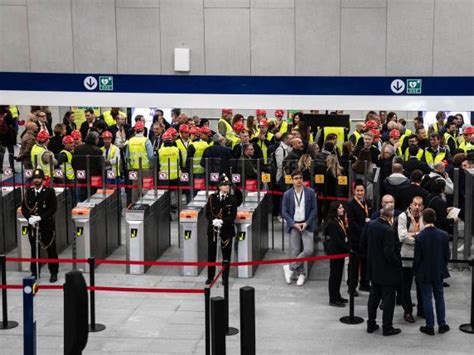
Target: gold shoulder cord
column 33, row 211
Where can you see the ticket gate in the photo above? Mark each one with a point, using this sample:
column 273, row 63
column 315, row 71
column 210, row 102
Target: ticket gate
column 148, row 222
column 62, row 223
column 194, row 233
column 96, row 226
column 112, row 216
column 252, row 231
column 10, row 199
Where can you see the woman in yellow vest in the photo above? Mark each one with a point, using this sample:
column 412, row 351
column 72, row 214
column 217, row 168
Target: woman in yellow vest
column 169, row 157
column 111, row 154
column 41, row 157
column 264, row 139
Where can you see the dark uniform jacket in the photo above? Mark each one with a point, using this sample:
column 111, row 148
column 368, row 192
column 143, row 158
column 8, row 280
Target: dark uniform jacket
column 431, row 255
column 43, row 205
column 225, row 210
column 384, row 263
column 356, row 216
column 337, row 243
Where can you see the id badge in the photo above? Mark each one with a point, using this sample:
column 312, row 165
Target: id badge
column 367, row 220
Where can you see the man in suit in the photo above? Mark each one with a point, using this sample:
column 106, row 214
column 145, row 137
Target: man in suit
column 430, row 268
column 299, row 210
column 39, row 207
column 384, row 267
column 221, row 211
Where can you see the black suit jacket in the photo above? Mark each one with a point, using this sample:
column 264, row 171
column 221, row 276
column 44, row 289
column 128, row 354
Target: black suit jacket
column 356, row 216
column 44, row 205
column 440, row 206
column 225, row 210
column 384, row 264
column 406, row 196
column 431, row 255
column 114, row 129
column 337, row 243
column 414, row 164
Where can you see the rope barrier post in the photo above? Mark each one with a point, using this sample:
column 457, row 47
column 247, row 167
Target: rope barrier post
column 207, row 177
column 218, row 325
column 207, row 317
column 469, row 327
column 247, row 320
column 351, row 319
column 281, row 203
column 88, row 181
column 29, row 324
column 119, row 192
column 225, row 282
column 6, row 324
column 93, row 326
column 140, row 178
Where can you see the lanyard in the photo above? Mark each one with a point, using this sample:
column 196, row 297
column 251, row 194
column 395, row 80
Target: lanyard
column 363, row 206
column 341, row 224
column 298, row 199
column 386, row 220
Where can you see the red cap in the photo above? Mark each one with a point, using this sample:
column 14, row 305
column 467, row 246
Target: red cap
column 394, row 133
column 238, row 127
column 107, row 134
column 468, row 130
column 42, row 136
column 260, row 112
column 76, row 135
column 205, row 130
column 172, row 131
column 226, row 110
column 194, row 130
column 139, row 126
column 263, row 122
column 279, row 113
column 375, row 132
column 167, row 136
column 184, row 128
column 68, row 140
column 371, row 124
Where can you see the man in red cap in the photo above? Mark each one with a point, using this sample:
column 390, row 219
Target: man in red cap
column 139, row 156
column 261, row 114
column 281, row 126
column 264, row 139
column 394, row 139
column 182, row 142
column 467, row 145
column 224, row 127
column 65, row 159
column 195, row 152
column 77, row 136
column 41, row 157
column 111, row 154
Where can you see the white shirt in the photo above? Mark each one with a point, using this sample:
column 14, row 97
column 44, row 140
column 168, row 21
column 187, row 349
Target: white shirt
column 222, row 196
column 37, row 191
column 299, row 215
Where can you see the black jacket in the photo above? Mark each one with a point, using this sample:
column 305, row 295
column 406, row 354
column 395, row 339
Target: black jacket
column 414, row 164
column 384, row 263
column 337, row 239
column 406, row 196
column 55, row 144
column 220, row 159
column 113, row 129
column 440, row 206
column 431, row 255
column 79, row 159
column 225, row 210
column 356, row 216
column 44, row 205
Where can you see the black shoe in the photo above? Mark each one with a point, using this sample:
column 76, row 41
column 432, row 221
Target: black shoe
column 208, row 281
column 391, row 331
column 337, row 304
column 343, row 300
column 427, row 330
column 445, row 284
column 443, row 329
column 365, row 288
column 372, row 328
column 53, row 278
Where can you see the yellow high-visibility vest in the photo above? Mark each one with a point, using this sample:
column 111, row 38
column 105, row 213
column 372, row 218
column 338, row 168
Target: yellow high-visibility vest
column 437, row 159
column 69, row 171
column 114, row 152
column 137, row 150
column 14, row 111
column 184, row 151
column 283, row 127
column 448, row 136
column 466, row 146
column 37, row 159
column 109, row 119
column 168, row 159
column 339, row 131
column 357, row 136
column 419, row 154
column 199, row 148
column 229, row 133
column 264, row 147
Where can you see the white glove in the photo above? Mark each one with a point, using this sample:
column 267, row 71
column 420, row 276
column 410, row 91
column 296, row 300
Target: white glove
column 217, row 222
column 33, row 220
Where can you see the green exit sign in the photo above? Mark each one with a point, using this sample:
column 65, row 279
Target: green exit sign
column 413, row 86
column 106, row 83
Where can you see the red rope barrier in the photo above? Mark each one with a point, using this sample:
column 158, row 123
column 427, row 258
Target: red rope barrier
column 289, row 261
column 45, row 260
column 216, row 278
column 158, row 263
column 146, row 290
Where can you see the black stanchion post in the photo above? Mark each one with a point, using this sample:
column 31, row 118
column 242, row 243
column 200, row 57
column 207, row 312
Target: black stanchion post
column 469, row 327
column 247, row 320
column 225, row 282
column 207, row 318
column 351, row 319
column 93, row 327
column 6, row 324
column 218, row 325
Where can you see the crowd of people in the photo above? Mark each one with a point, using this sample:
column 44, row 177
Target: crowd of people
column 416, row 170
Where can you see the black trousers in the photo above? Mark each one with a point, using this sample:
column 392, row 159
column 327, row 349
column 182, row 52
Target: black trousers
column 359, row 272
column 336, row 269
column 226, row 248
column 47, row 239
column 407, row 280
column 386, row 294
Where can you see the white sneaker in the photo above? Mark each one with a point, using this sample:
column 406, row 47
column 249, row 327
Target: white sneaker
column 301, row 280
column 288, row 273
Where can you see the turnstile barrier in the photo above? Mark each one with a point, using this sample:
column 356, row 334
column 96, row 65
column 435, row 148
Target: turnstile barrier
column 10, row 199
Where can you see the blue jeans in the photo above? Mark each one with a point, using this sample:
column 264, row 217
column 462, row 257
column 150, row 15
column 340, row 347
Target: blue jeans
column 435, row 289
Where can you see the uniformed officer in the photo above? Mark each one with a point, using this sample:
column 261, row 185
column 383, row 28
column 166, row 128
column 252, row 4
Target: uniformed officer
column 221, row 210
column 38, row 207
